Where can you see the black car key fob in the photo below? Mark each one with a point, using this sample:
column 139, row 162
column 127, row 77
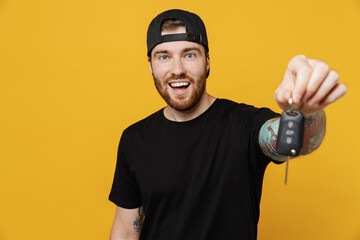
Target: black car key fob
column 291, row 133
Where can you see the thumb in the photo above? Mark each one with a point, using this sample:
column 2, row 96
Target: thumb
column 282, row 95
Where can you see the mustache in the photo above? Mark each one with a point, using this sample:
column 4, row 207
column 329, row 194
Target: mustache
column 182, row 76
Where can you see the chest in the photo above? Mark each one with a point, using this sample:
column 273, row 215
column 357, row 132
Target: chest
column 183, row 161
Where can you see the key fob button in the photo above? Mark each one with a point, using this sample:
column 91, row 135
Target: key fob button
column 289, row 132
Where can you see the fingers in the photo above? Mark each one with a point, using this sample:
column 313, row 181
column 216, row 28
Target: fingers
column 320, row 71
column 310, row 83
column 337, row 92
column 325, row 88
column 302, row 70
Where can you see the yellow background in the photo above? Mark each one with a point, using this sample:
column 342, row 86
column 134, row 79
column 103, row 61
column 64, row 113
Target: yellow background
column 74, row 74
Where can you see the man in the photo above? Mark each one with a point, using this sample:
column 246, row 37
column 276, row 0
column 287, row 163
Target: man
column 194, row 169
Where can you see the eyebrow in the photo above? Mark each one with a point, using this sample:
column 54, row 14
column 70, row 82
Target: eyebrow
column 185, row 50
column 192, row 49
column 160, row 51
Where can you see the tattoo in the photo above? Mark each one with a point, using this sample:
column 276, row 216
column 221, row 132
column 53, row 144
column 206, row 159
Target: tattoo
column 268, row 138
column 139, row 220
column 314, row 131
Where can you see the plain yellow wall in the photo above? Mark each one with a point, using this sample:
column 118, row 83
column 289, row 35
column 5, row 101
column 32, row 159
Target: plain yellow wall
column 74, row 75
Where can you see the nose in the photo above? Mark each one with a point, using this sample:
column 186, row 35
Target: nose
column 178, row 68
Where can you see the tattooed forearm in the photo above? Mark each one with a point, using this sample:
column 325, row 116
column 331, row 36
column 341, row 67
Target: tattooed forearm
column 139, row 220
column 268, row 137
column 314, row 131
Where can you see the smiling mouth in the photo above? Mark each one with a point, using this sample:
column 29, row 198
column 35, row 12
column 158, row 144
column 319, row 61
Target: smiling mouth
column 179, row 85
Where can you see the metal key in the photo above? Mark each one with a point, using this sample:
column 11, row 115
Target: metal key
column 290, row 135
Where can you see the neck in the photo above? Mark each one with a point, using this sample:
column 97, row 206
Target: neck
column 182, row 116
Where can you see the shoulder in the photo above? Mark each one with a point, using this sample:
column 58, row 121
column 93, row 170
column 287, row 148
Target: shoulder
column 243, row 108
column 245, row 115
column 144, row 124
column 232, row 105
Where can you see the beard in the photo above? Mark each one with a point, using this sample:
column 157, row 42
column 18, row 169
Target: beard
column 182, row 103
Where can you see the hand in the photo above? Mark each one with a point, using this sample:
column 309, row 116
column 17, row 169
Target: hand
column 311, row 84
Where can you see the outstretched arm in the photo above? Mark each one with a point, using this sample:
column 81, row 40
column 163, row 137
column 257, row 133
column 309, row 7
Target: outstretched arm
column 312, row 86
column 314, row 131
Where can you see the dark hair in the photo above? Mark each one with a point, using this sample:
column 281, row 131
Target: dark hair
column 171, row 24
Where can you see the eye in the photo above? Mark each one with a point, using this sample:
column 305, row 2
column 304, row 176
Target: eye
column 190, row 55
column 163, row 57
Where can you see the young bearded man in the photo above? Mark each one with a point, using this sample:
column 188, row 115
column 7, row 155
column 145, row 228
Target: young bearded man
column 194, row 169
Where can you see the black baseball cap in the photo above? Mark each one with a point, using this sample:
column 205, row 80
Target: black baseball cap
column 195, row 29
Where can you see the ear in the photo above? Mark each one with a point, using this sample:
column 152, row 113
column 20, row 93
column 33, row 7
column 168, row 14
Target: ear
column 149, row 60
column 207, row 61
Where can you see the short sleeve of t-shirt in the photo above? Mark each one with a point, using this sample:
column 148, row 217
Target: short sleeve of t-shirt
column 124, row 192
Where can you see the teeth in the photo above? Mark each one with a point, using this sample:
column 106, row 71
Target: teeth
column 179, row 84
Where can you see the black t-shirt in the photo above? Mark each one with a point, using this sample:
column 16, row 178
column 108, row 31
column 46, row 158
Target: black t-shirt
column 196, row 180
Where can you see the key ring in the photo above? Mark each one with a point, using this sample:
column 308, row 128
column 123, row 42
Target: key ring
column 290, row 104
